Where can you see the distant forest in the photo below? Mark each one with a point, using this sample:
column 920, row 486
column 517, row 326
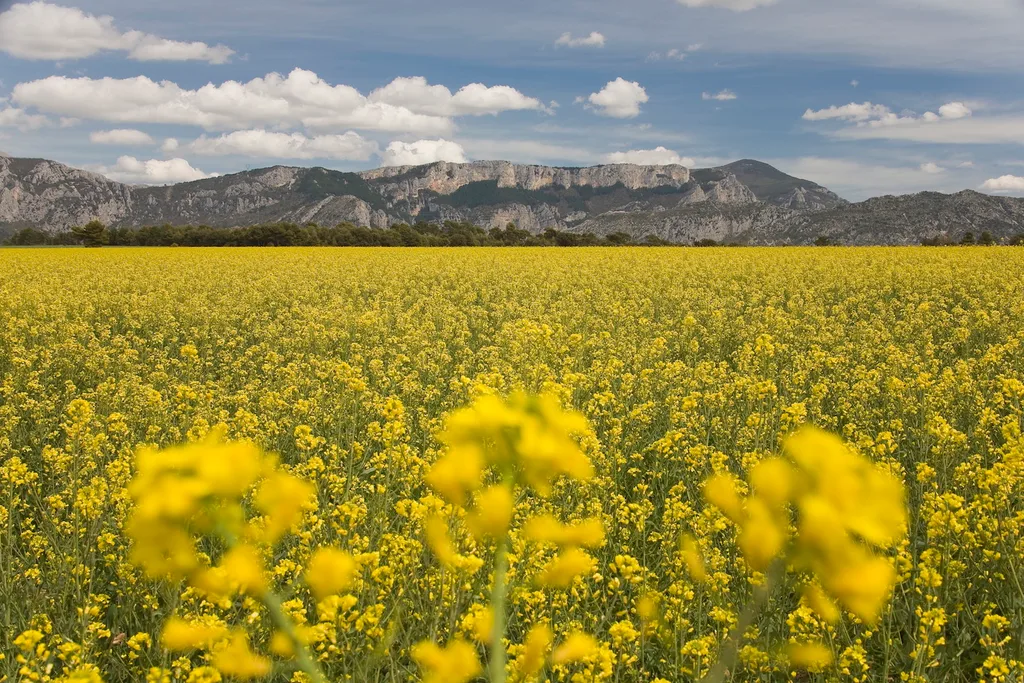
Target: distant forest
column 447, row 234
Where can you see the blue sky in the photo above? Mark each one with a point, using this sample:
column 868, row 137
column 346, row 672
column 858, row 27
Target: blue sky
column 867, row 97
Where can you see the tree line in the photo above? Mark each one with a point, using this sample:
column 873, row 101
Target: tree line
column 283, row 234
column 421, row 234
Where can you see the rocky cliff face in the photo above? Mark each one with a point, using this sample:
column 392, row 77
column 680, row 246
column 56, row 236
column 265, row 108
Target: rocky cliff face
column 35, row 192
column 747, row 201
column 405, row 183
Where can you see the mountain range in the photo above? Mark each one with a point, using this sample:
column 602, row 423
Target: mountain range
column 746, row 202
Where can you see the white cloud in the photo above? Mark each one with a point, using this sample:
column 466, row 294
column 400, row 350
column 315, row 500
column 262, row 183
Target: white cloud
column 954, row 110
column 595, row 39
column 152, row 172
column 659, row 156
column 955, row 123
column 932, row 167
column 261, row 143
column 1007, row 184
column 734, row 5
column 855, row 83
column 723, row 96
column 619, row 99
column 39, row 30
column 19, row 118
column 475, row 99
column 848, row 112
column 423, row 152
column 965, row 164
column 120, row 136
column 169, row 145
column 880, row 116
column 299, row 99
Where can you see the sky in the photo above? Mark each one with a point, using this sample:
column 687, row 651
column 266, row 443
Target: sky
column 866, row 97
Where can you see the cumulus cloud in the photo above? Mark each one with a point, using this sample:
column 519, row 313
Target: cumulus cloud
column 595, row 39
column 619, row 99
column 40, row 30
column 734, row 5
column 120, row 136
column 475, row 99
column 848, row 112
column 1007, row 184
column 879, row 115
column 954, row 123
column 723, row 96
column 299, row 99
column 349, row 146
column 152, row 172
column 13, row 117
column 423, row 152
column 659, row 156
column 954, row 110
column 854, row 83
column 932, row 167
column 169, row 145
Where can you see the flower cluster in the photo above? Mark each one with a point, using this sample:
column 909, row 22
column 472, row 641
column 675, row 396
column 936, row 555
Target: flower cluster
column 347, row 364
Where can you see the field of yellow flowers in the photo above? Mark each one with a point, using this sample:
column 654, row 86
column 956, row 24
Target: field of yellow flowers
column 512, row 464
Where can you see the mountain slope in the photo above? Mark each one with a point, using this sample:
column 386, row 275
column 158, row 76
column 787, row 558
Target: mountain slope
column 746, row 201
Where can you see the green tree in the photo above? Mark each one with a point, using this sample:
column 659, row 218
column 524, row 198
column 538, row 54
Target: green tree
column 986, row 239
column 968, row 238
column 92, row 234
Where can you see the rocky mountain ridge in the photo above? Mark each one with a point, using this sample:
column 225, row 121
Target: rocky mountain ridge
column 746, row 201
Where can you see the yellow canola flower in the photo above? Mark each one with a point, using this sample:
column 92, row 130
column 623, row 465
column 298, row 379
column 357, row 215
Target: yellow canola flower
column 588, row 533
column 435, row 531
column 564, row 567
column 171, row 483
column 817, row 600
column 240, row 570
column 772, row 481
column 329, row 571
column 493, row 512
column 530, row 435
column 84, row 673
column 869, row 501
column 692, row 558
column 244, row 565
column 235, row 658
column 457, row 473
column 179, row 634
column 479, row 621
column 576, row 647
column 860, row 581
column 455, row 663
column 283, row 499
column 810, row 656
column 281, row 645
column 535, row 651
column 722, row 491
column 762, row 534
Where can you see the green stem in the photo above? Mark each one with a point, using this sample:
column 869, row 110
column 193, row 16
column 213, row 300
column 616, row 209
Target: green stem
column 281, row 619
column 496, row 664
column 730, row 649
column 283, row 622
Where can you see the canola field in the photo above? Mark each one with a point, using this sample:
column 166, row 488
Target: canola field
column 633, row 494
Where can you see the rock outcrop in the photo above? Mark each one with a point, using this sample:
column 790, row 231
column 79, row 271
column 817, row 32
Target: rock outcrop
column 746, row 202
